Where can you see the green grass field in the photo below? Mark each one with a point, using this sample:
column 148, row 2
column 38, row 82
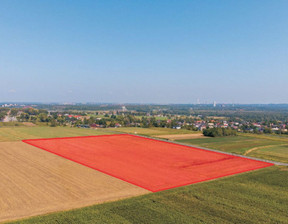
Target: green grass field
column 243, row 143
column 256, row 197
column 277, row 153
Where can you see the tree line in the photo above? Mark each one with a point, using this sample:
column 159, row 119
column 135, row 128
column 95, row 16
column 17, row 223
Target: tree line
column 219, row 132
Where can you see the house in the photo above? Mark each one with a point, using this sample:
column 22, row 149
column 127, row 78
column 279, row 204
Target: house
column 9, row 119
column 95, row 126
column 256, row 125
column 177, row 127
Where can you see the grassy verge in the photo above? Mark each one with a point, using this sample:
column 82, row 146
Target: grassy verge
column 256, row 197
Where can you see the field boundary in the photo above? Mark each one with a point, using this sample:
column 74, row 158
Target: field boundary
column 187, row 147
column 151, row 138
column 164, row 140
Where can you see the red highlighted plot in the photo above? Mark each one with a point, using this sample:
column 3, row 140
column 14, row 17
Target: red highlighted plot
column 151, row 164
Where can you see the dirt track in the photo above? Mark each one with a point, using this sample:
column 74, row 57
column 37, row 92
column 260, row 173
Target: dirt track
column 260, row 147
column 34, row 182
column 183, row 136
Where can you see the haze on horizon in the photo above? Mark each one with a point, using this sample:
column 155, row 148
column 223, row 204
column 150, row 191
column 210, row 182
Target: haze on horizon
column 144, row 51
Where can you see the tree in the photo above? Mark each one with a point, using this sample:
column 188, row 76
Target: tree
column 13, row 112
column 267, row 130
column 42, row 117
column 218, row 132
column 53, row 123
column 2, row 115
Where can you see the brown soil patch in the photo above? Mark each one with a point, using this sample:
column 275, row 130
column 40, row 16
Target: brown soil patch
column 34, row 182
column 28, row 124
column 183, row 136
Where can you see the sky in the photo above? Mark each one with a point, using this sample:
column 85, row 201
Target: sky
column 134, row 51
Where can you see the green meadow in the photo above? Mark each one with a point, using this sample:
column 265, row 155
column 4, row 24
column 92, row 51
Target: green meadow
column 277, row 153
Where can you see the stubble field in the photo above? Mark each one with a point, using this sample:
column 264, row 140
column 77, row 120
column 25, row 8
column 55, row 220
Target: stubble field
column 36, row 182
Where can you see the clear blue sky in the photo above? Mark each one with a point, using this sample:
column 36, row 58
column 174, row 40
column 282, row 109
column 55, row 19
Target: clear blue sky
column 144, row 51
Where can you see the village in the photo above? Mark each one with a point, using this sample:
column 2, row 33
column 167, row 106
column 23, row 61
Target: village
column 123, row 117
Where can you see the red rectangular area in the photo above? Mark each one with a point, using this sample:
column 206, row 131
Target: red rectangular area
column 151, row 164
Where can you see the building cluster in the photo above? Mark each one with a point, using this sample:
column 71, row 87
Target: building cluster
column 9, row 105
column 125, row 118
column 240, row 126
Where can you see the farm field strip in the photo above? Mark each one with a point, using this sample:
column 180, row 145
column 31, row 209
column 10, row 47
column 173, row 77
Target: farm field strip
column 153, row 131
column 181, row 136
column 20, row 133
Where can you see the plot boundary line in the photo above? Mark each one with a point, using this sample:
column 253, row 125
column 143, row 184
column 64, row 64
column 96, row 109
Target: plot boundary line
column 28, row 141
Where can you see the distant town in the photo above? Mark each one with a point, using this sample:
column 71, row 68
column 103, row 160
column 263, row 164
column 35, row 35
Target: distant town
column 241, row 118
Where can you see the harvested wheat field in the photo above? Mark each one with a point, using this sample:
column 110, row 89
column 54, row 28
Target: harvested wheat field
column 36, row 182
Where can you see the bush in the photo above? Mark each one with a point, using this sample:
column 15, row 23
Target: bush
column 218, row 132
